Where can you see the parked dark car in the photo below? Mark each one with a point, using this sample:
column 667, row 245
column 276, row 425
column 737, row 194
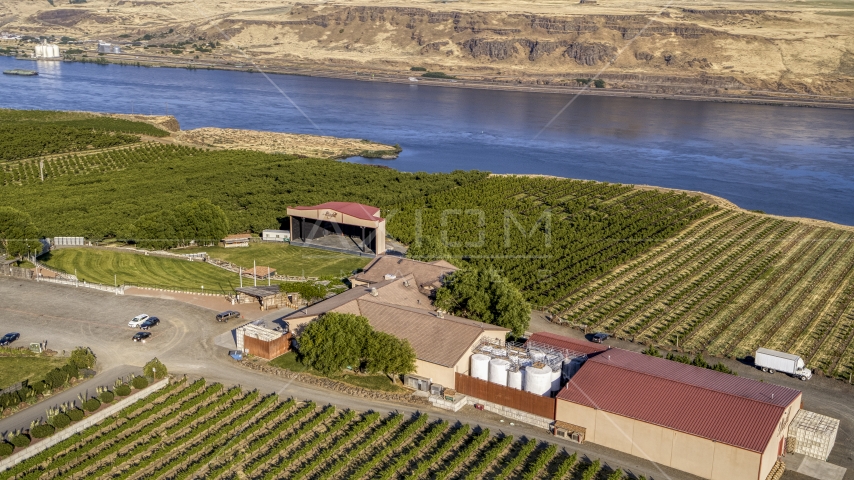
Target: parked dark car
column 152, row 321
column 599, row 337
column 227, row 315
column 141, row 336
column 9, row 338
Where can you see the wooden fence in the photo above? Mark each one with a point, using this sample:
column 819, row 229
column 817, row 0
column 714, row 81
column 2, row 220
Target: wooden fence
column 509, row 397
column 265, row 349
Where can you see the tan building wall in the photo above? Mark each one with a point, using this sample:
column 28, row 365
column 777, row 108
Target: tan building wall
column 689, row 453
column 733, row 462
column 444, row 376
column 769, row 456
column 463, row 365
column 694, row 455
column 614, row 431
column 653, row 442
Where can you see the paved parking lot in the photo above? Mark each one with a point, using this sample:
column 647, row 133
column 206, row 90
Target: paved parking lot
column 185, row 341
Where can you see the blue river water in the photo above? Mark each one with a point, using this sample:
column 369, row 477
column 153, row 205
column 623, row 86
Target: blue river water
column 783, row 160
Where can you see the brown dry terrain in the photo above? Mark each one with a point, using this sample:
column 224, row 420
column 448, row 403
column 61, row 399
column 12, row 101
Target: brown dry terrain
column 313, row 146
column 797, row 48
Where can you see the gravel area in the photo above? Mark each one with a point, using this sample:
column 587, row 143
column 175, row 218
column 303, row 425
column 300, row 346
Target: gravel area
column 184, row 341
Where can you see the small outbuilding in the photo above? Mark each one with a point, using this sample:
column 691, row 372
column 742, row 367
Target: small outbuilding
column 236, row 240
column 268, row 297
column 276, row 236
column 262, row 342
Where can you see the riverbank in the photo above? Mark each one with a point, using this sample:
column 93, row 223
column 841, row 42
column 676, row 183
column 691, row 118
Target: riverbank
column 498, row 83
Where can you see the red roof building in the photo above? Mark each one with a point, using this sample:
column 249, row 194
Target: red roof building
column 711, row 424
column 355, row 210
column 342, row 226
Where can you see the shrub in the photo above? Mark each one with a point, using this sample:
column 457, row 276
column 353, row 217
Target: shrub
column 139, row 383
column 75, row 414
column 82, row 357
column 599, row 83
column 91, row 405
column 106, row 397
column 71, row 371
column 39, row 387
column 6, row 449
column 21, row 440
column 42, row 431
column 154, row 369
column 56, row 378
column 438, row 75
column 61, row 421
column 122, row 390
column 418, row 69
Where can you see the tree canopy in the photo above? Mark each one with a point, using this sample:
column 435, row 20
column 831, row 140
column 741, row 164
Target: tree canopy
column 18, row 234
column 428, row 249
column 339, row 340
column 155, row 369
column 486, row 296
column 200, row 220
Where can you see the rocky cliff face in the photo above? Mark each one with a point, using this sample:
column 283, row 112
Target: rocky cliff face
column 673, row 50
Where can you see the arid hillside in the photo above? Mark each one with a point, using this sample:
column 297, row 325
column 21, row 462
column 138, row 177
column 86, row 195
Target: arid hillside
column 802, row 47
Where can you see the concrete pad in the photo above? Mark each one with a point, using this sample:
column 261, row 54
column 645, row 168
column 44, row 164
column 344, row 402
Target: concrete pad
column 814, row 468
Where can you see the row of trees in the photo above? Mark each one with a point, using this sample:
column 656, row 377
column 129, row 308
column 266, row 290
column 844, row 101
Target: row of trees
column 115, row 189
column 547, row 236
column 336, row 341
column 485, row 296
column 18, row 233
column 200, row 220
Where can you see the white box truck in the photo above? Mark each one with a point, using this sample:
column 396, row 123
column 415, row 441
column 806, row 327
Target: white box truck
column 771, row 361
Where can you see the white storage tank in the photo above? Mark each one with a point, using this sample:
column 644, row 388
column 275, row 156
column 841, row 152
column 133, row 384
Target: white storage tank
column 538, row 380
column 498, row 371
column 480, row 366
column 555, row 376
column 514, row 379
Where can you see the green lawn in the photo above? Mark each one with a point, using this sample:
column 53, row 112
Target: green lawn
column 17, row 369
column 289, row 361
column 99, row 266
column 288, row 260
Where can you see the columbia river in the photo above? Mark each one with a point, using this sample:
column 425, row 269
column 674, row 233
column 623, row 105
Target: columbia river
column 782, row 160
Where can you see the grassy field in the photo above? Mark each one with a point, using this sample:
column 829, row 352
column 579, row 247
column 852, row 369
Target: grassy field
column 204, row 430
column 18, row 369
column 289, row 361
column 99, row 266
column 287, row 260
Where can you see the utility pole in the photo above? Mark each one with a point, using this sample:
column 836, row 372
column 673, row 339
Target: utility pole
column 240, row 274
column 254, row 273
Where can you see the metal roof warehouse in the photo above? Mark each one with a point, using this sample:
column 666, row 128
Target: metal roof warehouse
column 712, row 424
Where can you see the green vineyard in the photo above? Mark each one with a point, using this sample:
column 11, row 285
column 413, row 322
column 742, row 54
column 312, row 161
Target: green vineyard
column 32, row 133
column 100, row 194
column 548, row 236
column 728, row 284
column 199, row 430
